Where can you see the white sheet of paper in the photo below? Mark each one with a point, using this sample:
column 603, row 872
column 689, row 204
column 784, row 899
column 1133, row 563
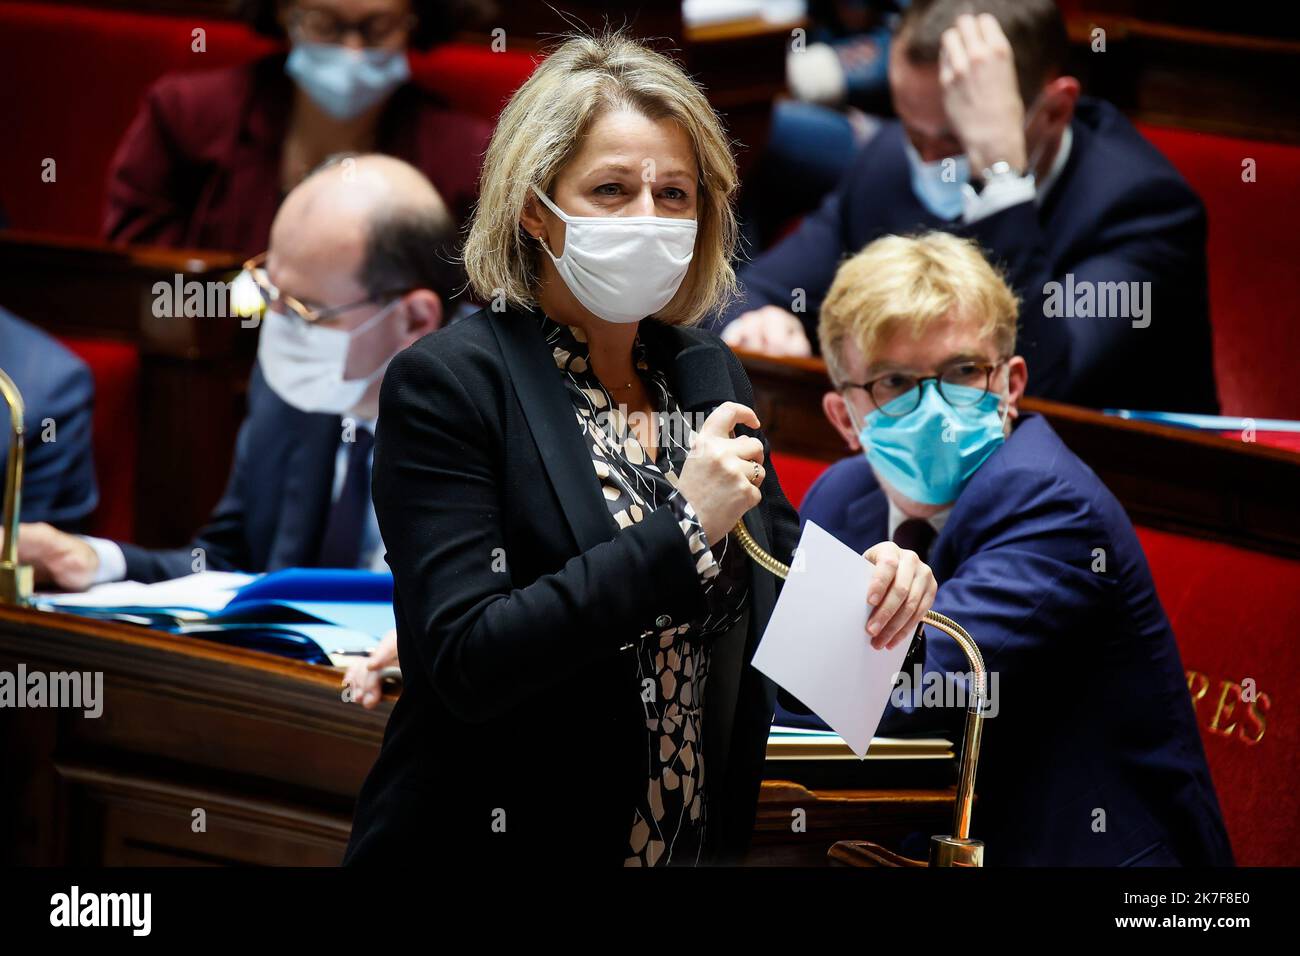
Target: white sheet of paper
column 816, row 645
column 204, row 591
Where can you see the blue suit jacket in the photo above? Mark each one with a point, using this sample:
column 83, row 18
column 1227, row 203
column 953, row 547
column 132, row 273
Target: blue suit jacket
column 1093, row 710
column 274, row 508
column 1119, row 212
column 58, row 475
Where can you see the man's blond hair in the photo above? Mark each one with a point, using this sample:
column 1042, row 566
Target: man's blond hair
column 542, row 128
column 912, row 282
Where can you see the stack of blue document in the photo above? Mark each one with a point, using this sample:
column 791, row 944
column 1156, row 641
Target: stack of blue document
column 317, row 615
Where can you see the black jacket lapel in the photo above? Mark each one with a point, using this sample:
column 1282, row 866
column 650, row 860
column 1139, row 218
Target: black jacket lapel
column 550, row 418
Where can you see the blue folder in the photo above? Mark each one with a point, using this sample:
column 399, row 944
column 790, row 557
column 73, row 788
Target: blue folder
column 318, row 615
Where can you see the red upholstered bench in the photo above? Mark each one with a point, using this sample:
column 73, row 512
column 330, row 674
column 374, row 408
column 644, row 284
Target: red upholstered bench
column 797, row 474
column 1235, row 612
column 1253, row 248
column 115, row 367
column 80, row 73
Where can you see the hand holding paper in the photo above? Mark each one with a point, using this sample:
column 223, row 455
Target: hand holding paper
column 816, row 644
column 902, row 589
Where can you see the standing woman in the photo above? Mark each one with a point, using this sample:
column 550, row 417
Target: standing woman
column 575, row 622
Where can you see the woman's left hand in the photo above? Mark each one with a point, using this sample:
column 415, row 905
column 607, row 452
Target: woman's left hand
column 901, row 591
column 365, row 678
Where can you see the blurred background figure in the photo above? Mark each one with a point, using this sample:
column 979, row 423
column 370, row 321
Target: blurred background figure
column 58, row 396
column 211, row 154
column 359, row 268
column 994, row 142
column 839, row 86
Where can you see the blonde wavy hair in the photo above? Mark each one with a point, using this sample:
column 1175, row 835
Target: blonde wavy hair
column 541, row 129
column 911, row 282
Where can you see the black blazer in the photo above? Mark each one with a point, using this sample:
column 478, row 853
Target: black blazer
column 519, row 736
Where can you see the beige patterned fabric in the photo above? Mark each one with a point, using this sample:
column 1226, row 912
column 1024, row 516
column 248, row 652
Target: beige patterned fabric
column 668, row 824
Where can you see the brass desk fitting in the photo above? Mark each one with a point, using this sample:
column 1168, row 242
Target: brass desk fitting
column 957, row 848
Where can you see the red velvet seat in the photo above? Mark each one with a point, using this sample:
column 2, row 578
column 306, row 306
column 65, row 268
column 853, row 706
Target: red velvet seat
column 797, row 475
column 115, row 367
column 81, row 72
column 1234, row 612
column 1253, row 248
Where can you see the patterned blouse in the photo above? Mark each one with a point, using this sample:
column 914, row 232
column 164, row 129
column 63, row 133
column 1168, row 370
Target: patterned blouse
column 667, row 825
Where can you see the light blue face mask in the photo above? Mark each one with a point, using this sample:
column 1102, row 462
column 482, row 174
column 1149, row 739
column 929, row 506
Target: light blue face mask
column 931, row 453
column 937, row 194
column 343, row 81
column 944, row 196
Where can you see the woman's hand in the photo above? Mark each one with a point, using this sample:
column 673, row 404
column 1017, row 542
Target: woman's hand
column 901, row 591
column 722, row 473
column 365, row 678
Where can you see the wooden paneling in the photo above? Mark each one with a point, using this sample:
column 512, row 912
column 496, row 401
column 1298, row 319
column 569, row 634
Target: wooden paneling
column 1226, row 72
column 269, row 752
column 265, row 746
column 796, row 826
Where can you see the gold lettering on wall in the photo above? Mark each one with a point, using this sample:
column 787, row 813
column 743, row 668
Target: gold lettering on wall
column 1228, row 714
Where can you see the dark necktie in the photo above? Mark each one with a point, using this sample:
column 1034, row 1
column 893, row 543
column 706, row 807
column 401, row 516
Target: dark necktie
column 915, row 534
column 340, row 546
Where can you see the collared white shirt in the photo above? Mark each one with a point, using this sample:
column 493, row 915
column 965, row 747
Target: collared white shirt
column 896, row 517
column 1003, row 194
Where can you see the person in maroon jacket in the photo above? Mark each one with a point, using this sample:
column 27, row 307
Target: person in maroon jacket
column 210, row 155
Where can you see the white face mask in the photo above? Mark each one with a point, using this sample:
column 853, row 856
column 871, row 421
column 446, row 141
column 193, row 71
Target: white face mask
column 623, row 268
column 304, row 363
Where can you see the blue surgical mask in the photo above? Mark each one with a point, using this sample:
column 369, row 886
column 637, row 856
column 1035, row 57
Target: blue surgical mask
column 930, row 453
column 943, row 198
column 343, row 81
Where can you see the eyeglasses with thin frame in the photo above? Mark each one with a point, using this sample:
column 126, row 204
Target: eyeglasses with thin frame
column 272, row 297
column 323, row 26
column 894, row 385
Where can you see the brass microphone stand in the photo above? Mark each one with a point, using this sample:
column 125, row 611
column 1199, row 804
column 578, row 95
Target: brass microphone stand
column 15, row 578
column 957, row 849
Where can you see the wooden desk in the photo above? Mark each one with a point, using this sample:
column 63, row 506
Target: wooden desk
column 267, row 749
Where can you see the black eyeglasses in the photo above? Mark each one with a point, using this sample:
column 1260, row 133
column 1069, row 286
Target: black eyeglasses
column 322, row 26
column 957, row 383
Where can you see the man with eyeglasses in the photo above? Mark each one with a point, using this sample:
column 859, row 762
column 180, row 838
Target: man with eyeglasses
column 360, row 266
column 1091, row 755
